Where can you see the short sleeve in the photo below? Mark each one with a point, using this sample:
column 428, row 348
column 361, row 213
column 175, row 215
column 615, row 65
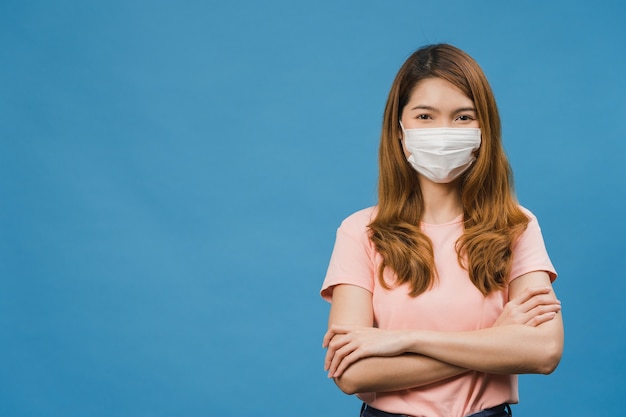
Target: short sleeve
column 352, row 259
column 529, row 253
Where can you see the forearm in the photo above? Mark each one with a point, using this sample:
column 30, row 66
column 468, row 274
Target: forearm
column 526, row 338
column 511, row 349
column 383, row 374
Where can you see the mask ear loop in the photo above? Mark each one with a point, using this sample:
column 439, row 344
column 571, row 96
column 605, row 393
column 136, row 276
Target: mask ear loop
column 401, row 139
column 401, row 128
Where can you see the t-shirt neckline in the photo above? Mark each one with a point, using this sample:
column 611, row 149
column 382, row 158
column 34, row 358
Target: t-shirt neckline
column 458, row 219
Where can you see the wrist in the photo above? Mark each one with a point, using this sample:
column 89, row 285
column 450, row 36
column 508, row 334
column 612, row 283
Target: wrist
column 414, row 341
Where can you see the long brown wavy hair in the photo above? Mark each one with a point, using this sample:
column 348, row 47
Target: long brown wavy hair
column 492, row 217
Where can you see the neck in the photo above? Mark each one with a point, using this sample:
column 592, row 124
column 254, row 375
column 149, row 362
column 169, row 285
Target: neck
column 442, row 202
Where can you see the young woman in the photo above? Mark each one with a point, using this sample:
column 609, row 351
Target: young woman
column 442, row 292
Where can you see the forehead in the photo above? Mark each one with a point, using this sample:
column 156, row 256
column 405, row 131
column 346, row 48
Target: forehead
column 438, row 90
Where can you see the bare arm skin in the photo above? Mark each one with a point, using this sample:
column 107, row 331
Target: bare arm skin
column 510, row 348
column 352, row 305
column 527, row 338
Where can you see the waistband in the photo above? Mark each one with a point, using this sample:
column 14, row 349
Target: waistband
column 502, row 410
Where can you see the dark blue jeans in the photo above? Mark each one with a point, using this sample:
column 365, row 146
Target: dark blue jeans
column 502, row 410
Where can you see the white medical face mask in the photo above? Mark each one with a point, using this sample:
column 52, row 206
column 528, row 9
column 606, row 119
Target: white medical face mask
column 441, row 154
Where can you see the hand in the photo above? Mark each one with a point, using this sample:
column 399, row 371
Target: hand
column 347, row 344
column 532, row 308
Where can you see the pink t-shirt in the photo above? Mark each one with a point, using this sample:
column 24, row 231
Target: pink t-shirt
column 453, row 304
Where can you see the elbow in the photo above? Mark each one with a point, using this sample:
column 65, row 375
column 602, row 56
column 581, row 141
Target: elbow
column 346, row 385
column 353, row 380
column 550, row 358
column 549, row 364
column 548, row 367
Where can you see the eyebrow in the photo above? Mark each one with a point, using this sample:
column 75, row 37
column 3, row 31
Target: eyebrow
column 461, row 109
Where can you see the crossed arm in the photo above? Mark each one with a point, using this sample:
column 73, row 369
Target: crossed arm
column 526, row 338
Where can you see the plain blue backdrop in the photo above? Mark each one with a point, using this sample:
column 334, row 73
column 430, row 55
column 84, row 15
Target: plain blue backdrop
column 172, row 174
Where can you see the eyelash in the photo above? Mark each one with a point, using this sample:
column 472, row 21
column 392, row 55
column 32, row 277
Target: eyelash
column 463, row 117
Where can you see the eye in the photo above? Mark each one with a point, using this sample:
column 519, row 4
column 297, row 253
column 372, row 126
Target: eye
column 423, row 116
column 466, row 118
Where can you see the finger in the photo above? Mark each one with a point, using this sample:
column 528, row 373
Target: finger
column 531, row 292
column 327, row 338
column 529, row 317
column 338, row 358
column 347, row 360
column 333, row 346
column 539, row 300
column 332, row 331
column 542, row 309
column 545, row 308
column 541, row 318
column 328, row 359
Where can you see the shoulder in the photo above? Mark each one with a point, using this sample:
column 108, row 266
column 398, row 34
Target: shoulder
column 528, row 213
column 532, row 227
column 532, row 219
column 357, row 223
column 529, row 251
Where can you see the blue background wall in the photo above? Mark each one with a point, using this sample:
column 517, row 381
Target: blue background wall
column 172, row 175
